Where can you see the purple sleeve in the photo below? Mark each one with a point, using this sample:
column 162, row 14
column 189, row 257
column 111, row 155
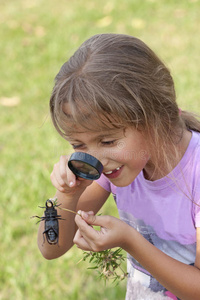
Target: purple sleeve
column 197, row 207
column 196, row 195
column 104, row 183
column 197, row 219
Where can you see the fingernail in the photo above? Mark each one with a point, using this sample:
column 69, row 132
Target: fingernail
column 85, row 215
column 79, row 213
column 71, row 183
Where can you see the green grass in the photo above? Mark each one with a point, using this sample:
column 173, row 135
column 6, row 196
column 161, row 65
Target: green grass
column 37, row 37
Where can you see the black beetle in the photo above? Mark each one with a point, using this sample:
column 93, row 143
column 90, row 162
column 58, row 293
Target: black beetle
column 51, row 226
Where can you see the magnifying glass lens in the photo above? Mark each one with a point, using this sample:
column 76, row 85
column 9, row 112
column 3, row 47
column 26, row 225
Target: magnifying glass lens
column 85, row 166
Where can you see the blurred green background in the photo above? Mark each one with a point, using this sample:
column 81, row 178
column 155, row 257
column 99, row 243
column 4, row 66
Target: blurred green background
column 36, row 38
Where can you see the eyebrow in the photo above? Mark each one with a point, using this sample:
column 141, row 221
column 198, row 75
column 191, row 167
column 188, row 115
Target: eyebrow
column 100, row 136
column 108, row 134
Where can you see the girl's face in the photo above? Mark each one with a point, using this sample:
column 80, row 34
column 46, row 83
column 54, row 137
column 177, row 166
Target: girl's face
column 123, row 153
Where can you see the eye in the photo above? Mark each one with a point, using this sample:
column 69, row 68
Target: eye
column 78, row 146
column 108, row 143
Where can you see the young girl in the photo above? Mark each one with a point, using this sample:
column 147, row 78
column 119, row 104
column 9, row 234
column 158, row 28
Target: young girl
column 115, row 99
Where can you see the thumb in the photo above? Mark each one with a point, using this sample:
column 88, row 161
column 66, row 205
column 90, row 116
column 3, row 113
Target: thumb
column 90, row 218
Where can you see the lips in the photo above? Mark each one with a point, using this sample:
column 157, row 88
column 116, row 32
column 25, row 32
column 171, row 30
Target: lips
column 114, row 173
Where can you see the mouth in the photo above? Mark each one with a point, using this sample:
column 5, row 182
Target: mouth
column 114, row 173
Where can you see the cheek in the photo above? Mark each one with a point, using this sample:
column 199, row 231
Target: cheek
column 134, row 156
column 143, row 156
column 137, row 153
column 137, row 160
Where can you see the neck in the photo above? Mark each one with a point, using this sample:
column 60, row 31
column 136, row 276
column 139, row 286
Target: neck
column 154, row 171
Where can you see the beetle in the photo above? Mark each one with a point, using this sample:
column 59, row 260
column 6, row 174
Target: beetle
column 51, row 224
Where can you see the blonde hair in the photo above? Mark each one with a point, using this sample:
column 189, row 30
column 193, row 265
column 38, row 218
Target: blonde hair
column 116, row 80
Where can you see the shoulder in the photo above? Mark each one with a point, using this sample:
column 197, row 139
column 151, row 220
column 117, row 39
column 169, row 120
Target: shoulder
column 194, row 156
column 195, row 140
column 106, row 184
column 193, row 174
column 191, row 160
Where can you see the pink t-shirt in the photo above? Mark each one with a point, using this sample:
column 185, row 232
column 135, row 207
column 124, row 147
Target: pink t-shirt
column 164, row 211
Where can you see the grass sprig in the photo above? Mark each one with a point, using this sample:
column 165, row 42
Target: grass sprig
column 107, row 263
column 55, row 200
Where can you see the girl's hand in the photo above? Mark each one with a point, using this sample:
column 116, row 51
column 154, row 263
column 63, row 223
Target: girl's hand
column 112, row 232
column 64, row 179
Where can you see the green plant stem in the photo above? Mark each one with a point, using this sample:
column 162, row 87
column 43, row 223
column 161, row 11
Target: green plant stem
column 69, row 210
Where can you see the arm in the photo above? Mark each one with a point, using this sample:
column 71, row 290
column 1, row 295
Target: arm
column 82, row 194
column 181, row 279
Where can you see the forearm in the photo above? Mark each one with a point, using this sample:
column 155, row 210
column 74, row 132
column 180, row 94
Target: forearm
column 181, row 279
column 67, row 228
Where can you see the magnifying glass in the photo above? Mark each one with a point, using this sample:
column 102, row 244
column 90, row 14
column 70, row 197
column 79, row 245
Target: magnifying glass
column 85, row 166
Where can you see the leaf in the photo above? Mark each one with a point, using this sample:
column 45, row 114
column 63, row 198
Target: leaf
column 91, row 259
column 93, row 268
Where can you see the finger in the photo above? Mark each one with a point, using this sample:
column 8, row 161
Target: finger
column 56, row 176
column 83, row 226
column 90, row 213
column 92, row 219
column 69, row 177
column 81, row 223
column 61, row 176
column 90, row 235
column 66, row 174
column 55, row 182
column 63, row 168
column 80, row 242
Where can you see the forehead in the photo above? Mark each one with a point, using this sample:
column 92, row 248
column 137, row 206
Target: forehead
column 82, row 134
column 82, row 120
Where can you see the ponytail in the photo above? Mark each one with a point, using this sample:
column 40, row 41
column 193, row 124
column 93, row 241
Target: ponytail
column 191, row 120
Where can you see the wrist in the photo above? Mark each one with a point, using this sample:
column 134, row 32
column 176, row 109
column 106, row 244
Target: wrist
column 67, row 200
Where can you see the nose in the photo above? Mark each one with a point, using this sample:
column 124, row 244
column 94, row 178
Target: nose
column 101, row 156
column 104, row 161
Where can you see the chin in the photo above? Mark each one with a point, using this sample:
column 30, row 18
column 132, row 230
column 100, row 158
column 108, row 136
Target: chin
column 122, row 183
